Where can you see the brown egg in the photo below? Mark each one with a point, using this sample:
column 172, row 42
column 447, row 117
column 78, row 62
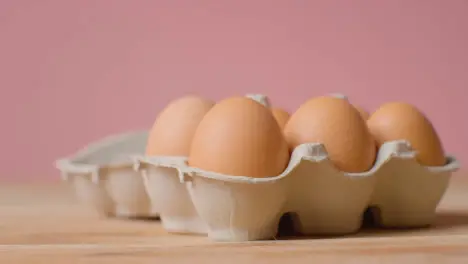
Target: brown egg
column 402, row 121
column 281, row 116
column 239, row 137
column 364, row 114
column 173, row 130
column 337, row 125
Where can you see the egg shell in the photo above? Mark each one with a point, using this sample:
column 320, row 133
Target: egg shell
column 173, row 130
column 317, row 197
column 239, row 136
column 281, row 116
column 337, row 125
column 402, row 121
column 168, row 196
column 364, row 114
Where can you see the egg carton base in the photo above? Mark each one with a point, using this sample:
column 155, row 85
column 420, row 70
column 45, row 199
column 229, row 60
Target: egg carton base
column 170, row 198
column 92, row 195
column 240, row 235
column 103, row 176
column 182, row 225
column 325, row 200
column 413, row 219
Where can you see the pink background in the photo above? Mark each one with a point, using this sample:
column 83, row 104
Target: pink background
column 75, row 71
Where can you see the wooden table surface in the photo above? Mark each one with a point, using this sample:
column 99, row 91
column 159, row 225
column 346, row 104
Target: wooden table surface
column 44, row 224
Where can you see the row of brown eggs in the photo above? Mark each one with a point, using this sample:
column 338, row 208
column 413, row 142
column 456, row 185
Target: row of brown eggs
column 240, row 136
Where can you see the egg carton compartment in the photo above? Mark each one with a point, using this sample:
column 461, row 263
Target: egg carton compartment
column 319, row 199
column 169, row 195
column 103, row 177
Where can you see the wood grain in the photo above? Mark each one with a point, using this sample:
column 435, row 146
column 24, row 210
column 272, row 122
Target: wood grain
column 44, row 224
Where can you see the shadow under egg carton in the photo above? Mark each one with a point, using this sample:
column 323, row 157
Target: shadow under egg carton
column 103, row 177
column 321, row 199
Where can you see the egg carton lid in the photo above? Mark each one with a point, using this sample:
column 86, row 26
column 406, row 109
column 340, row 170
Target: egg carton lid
column 115, row 151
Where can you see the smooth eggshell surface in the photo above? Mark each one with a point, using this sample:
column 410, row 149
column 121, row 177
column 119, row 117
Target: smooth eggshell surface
column 364, row 114
column 173, row 130
column 337, row 125
column 402, row 121
column 281, row 116
column 239, row 137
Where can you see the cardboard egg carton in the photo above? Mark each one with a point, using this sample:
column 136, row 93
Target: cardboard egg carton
column 168, row 194
column 320, row 199
column 103, row 177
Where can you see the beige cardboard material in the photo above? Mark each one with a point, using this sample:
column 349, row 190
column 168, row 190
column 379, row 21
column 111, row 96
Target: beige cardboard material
column 324, row 200
column 320, row 199
column 103, row 176
column 169, row 195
